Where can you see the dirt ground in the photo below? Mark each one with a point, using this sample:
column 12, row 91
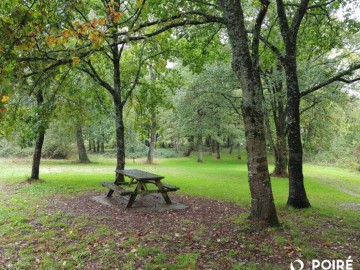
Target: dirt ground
column 192, row 224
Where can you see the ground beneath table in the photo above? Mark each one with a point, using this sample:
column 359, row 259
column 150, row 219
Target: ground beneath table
column 148, row 212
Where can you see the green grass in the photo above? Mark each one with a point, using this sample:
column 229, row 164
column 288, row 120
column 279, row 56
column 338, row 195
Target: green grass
column 26, row 231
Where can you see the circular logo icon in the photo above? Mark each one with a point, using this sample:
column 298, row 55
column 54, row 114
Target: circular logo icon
column 297, row 262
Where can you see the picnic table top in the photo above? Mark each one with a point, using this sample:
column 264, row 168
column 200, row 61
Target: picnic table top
column 140, row 175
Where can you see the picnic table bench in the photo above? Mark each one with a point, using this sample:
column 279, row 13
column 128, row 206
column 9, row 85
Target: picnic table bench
column 141, row 179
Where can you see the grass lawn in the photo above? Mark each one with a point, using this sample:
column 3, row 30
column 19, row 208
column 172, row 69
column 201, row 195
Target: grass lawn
column 34, row 238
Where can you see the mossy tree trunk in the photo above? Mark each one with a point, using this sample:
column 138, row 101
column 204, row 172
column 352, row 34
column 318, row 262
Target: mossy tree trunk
column 246, row 67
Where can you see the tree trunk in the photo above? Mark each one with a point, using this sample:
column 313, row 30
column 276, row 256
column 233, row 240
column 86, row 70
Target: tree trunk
column 200, row 149
column 208, row 141
column 98, row 145
column 83, row 157
column 218, row 156
column 297, row 194
column 231, row 146
column 239, row 151
column 40, row 136
column 153, row 130
column 281, row 160
column 35, row 171
column 120, row 141
column 213, row 146
column 276, row 99
column 90, row 148
column 191, row 147
column 246, row 68
column 279, row 114
column 102, row 143
column 93, row 145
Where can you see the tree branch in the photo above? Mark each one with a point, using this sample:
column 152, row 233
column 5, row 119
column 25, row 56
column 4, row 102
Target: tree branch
column 335, row 78
column 131, row 90
column 95, row 76
column 257, row 29
column 321, row 5
column 274, row 49
column 231, row 103
column 311, row 106
column 299, row 15
column 54, row 65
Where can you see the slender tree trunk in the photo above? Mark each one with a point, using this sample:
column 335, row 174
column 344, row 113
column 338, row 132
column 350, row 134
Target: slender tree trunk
column 246, row 67
column 279, row 116
column 102, row 143
column 297, row 194
column 218, row 156
column 90, row 148
column 213, row 146
column 239, row 151
column 98, row 145
column 40, row 136
column 93, row 145
column 153, row 130
column 83, row 157
column 231, row 146
column 35, row 171
column 200, row 149
column 191, row 147
column 208, row 141
column 281, row 160
column 278, row 146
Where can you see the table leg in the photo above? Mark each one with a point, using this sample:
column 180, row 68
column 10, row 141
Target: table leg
column 110, row 193
column 134, row 194
column 131, row 200
column 163, row 192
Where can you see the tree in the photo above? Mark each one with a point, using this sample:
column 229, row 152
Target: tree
column 109, row 38
column 246, row 67
column 45, row 101
column 206, row 106
column 152, row 97
column 112, row 36
column 274, row 98
column 290, row 22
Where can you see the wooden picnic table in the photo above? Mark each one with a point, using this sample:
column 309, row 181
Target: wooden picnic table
column 141, row 179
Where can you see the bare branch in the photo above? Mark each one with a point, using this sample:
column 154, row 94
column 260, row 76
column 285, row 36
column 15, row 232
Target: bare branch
column 95, row 76
column 311, row 106
column 273, row 48
column 321, row 5
column 232, row 104
column 338, row 77
column 54, row 65
column 257, row 29
column 137, row 76
column 299, row 15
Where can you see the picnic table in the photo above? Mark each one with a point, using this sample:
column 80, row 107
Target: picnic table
column 140, row 179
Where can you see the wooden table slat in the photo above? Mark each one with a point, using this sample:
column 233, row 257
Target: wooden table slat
column 140, row 175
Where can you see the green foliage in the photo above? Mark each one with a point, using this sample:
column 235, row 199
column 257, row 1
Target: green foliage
column 205, row 106
column 11, row 150
column 330, row 130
